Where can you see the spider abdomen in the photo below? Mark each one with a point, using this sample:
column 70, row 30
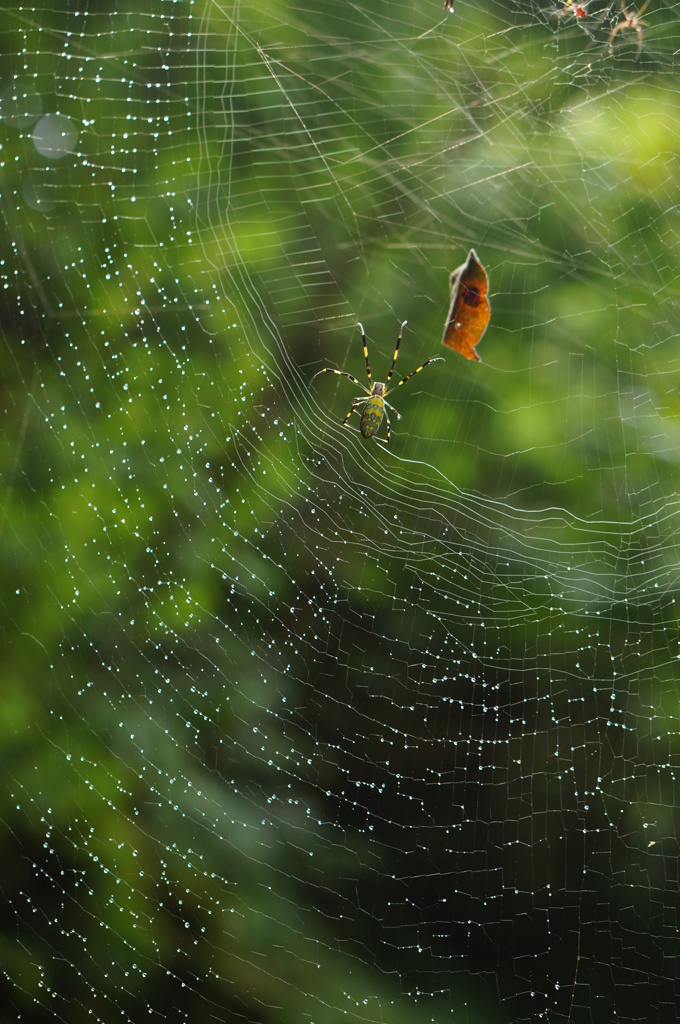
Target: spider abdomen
column 372, row 416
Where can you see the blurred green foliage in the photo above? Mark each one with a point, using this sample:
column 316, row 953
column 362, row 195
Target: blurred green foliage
column 295, row 727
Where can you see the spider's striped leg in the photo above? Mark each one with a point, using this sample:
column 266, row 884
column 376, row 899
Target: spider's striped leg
column 396, row 353
column 389, row 429
column 355, row 429
column 341, row 373
column 368, row 365
column 397, row 414
column 353, row 408
column 435, row 359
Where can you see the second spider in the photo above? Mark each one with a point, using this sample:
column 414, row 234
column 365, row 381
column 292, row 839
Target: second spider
column 632, row 20
column 579, row 11
column 375, row 403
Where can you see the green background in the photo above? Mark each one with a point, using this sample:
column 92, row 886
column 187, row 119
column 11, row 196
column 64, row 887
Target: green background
column 295, row 727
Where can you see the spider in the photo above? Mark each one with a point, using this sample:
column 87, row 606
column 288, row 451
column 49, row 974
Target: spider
column 375, row 404
column 580, row 11
column 629, row 21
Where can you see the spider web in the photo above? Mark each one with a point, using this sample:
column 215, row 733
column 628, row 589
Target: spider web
column 298, row 727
